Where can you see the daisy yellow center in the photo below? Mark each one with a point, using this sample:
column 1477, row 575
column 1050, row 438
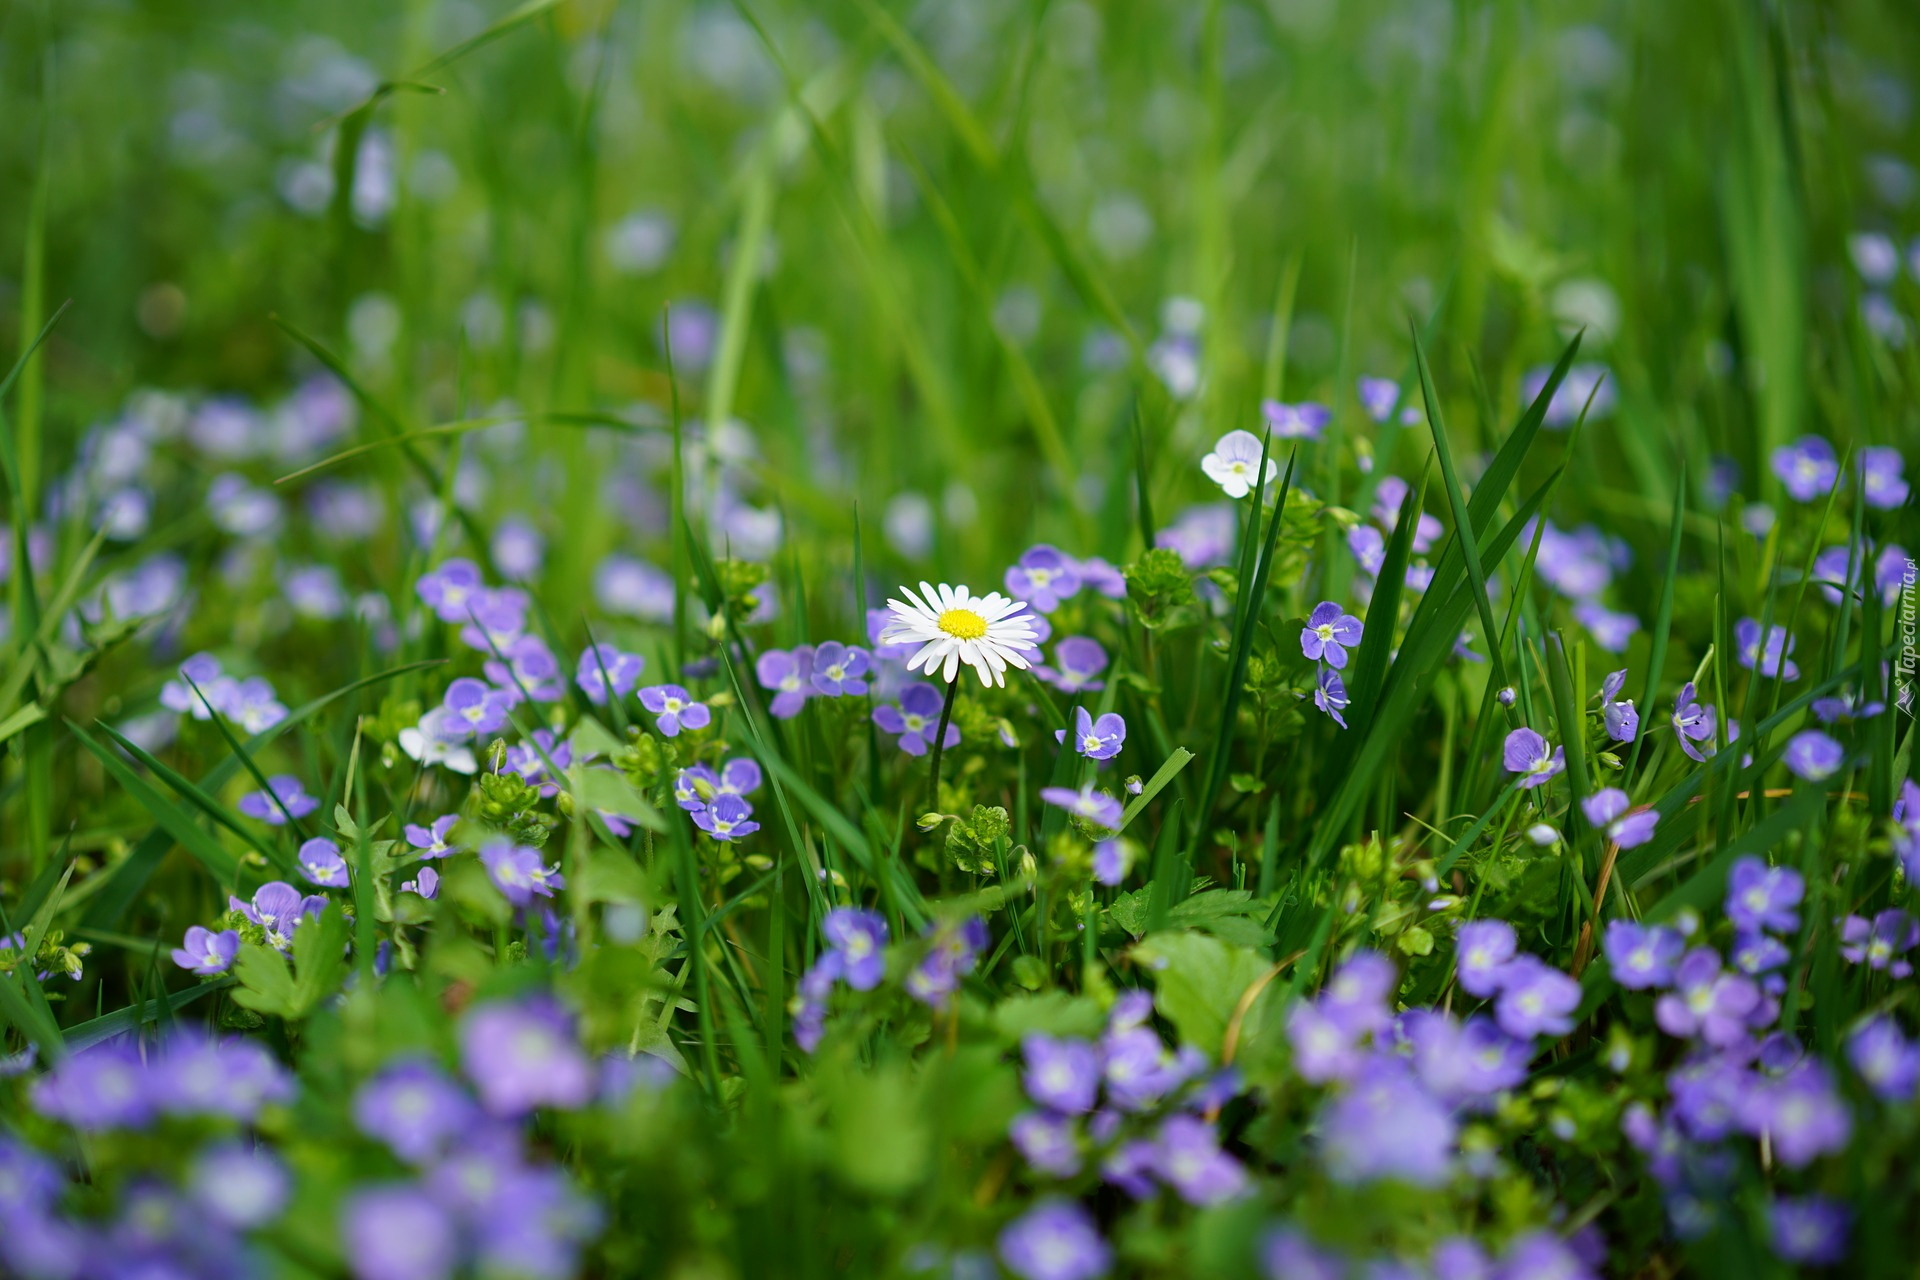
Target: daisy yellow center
column 962, row 624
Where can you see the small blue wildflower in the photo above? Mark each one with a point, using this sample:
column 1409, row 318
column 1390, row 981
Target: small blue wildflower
column 674, row 708
column 727, row 818
column 1329, row 633
column 789, row 674
column 1095, row 739
column 839, row 669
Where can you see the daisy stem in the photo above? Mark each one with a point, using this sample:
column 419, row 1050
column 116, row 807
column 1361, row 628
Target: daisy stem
column 940, row 744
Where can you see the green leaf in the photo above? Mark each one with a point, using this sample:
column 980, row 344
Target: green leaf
column 1198, row 982
column 610, row 792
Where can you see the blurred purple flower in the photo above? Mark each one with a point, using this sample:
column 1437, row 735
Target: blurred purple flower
column 450, row 588
column 292, row 798
column 1061, row 1074
column 1813, row 756
column 1096, row 807
column 790, row 674
column 1881, row 943
column 1706, row 1001
column 398, row 1232
column 523, row 1055
column 1535, row 999
column 1295, row 421
column 859, row 937
column 1188, row 1158
column 1049, row 1142
column 1079, row 662
column 1807, row 467
column 1809, row 1229
column 1642, row 956
column 1764, row 897
column 1886, row 1060
column 603, row 669
column 1482, row 952
column 1882, row 473
column 415, row 1108
column 1055, row 1240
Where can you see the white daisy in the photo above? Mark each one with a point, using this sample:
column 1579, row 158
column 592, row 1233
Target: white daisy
column 1235, row 462
column 952, row 625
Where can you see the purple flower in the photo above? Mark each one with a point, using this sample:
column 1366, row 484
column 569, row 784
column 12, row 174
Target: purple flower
column 1812, row 756
column 1055, row 1240
column 603, row 669
column 1642, row 956
column 694, row 786
column 292, row 799
column 1764, row 897
column 473, row 708
column 1378, row 396
column 207, row 952
column 1095, row 739
column 1809, row 1229
column 1329, row 633
column 1886, row 1060
column 1775, row 659
column 1807, row 467
column 1612, row 632
column 1102, row 577
column 839, row 669
column 915, row 719
column 517, row 549
column 1138, row 1069
column 1535, row 999
column 1881, row 471
column 1881, row 943
column 1845, row 706
column 1129, row 1166
column 1526, row 753
column 1323, row 1049
column 727, row 818
column 398, row 1232
column 1369, row 548
column 450, row 588
column 1607, row 810
column 1079, row 662
column 1043, row 577
column 1050, row 1143
column 1356, row 996
column 1755, row 954
column 1542, row 1255
column 1692, row 722
column 1203, row 536
column 1460, row 1062
column 1330, row 695
column 104, row 1087
column 859, row 937
column 426, row 883
column 1287, row 1254
column 528, row 760
column 321, row 863
column 523, row 1055
column 1706, row 1002
column 1109, row 862
column 1800, row 1113
column 518, row 871
column 530, row 669
column 1062, row 1074
column 1583, row 382
column 1389, row 496
column 1188, row 1158
column 415, row 1109
column 278, row 908
column 1295, row 421
column 1481, row 954
column 240, row 1187
column 497, row 617
column 674, row 708
column 956, row 950
column 1096, row 807
column 790, row 675
column 1387, row 1126
column 432, row 840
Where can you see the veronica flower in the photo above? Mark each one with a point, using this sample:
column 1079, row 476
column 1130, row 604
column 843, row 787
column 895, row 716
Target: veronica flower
column 1764, row 897
column 288, row 797
column 1378, row 396
column 956, row 950
column 240, row 1187
column 206, row 952
column 415, row 1109
column 278, row 908
column 321, row 863
column 1882, row 942
column 1692, row 722
column 1045, row 576
column 634, row 589
column 528, row 760
column 694, row 786
column 915, row 719
column 1369, row 548
column 1642, row 955
column 518, row 871
column 1102, row 577
column 604, row 670
column 1779, row 645
column 1050, row 1143
column 1463, row 1063
column 1809, row 1229
column 1201, row 536
column 1078, row 664
column 1813, row 756
column 426, row 883
column 1096, row 807
column 789, row 674
column 427, row 743
column 1062, row 1074
column 858, row 936
column 496, row 617
column 195, row 1075
column 1807, row 467
column 1535, row 999
column 1138, row 1069
column 1389, row 496
column 1055, row 1240
column 727, row 818
column 1707, row 1002
column 1330, row 695
column 1800, row 1113
column 1845, row 706
column 839, row 669
column 1526, row 753
column 952, row 626
column 203, row 671
column 450, row 588
column 525, row 1054
column 1481, row 954
column 398, row 1232
column 1295, row 421
column 1607, row 810
column 103, row 1087
column 1188, row 1158
column 1387, row 1126
column 1109, row 862
column 1881, row 473
column 1329, row 633
column 1287, row 1254
column 473, row 709
column 1622, row 722
column 1886, row 1060
column 1612, row 632
column 431, row 840
column 1234, row 463
column 530, row 671
column 674, row 708
column 1095, row 739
